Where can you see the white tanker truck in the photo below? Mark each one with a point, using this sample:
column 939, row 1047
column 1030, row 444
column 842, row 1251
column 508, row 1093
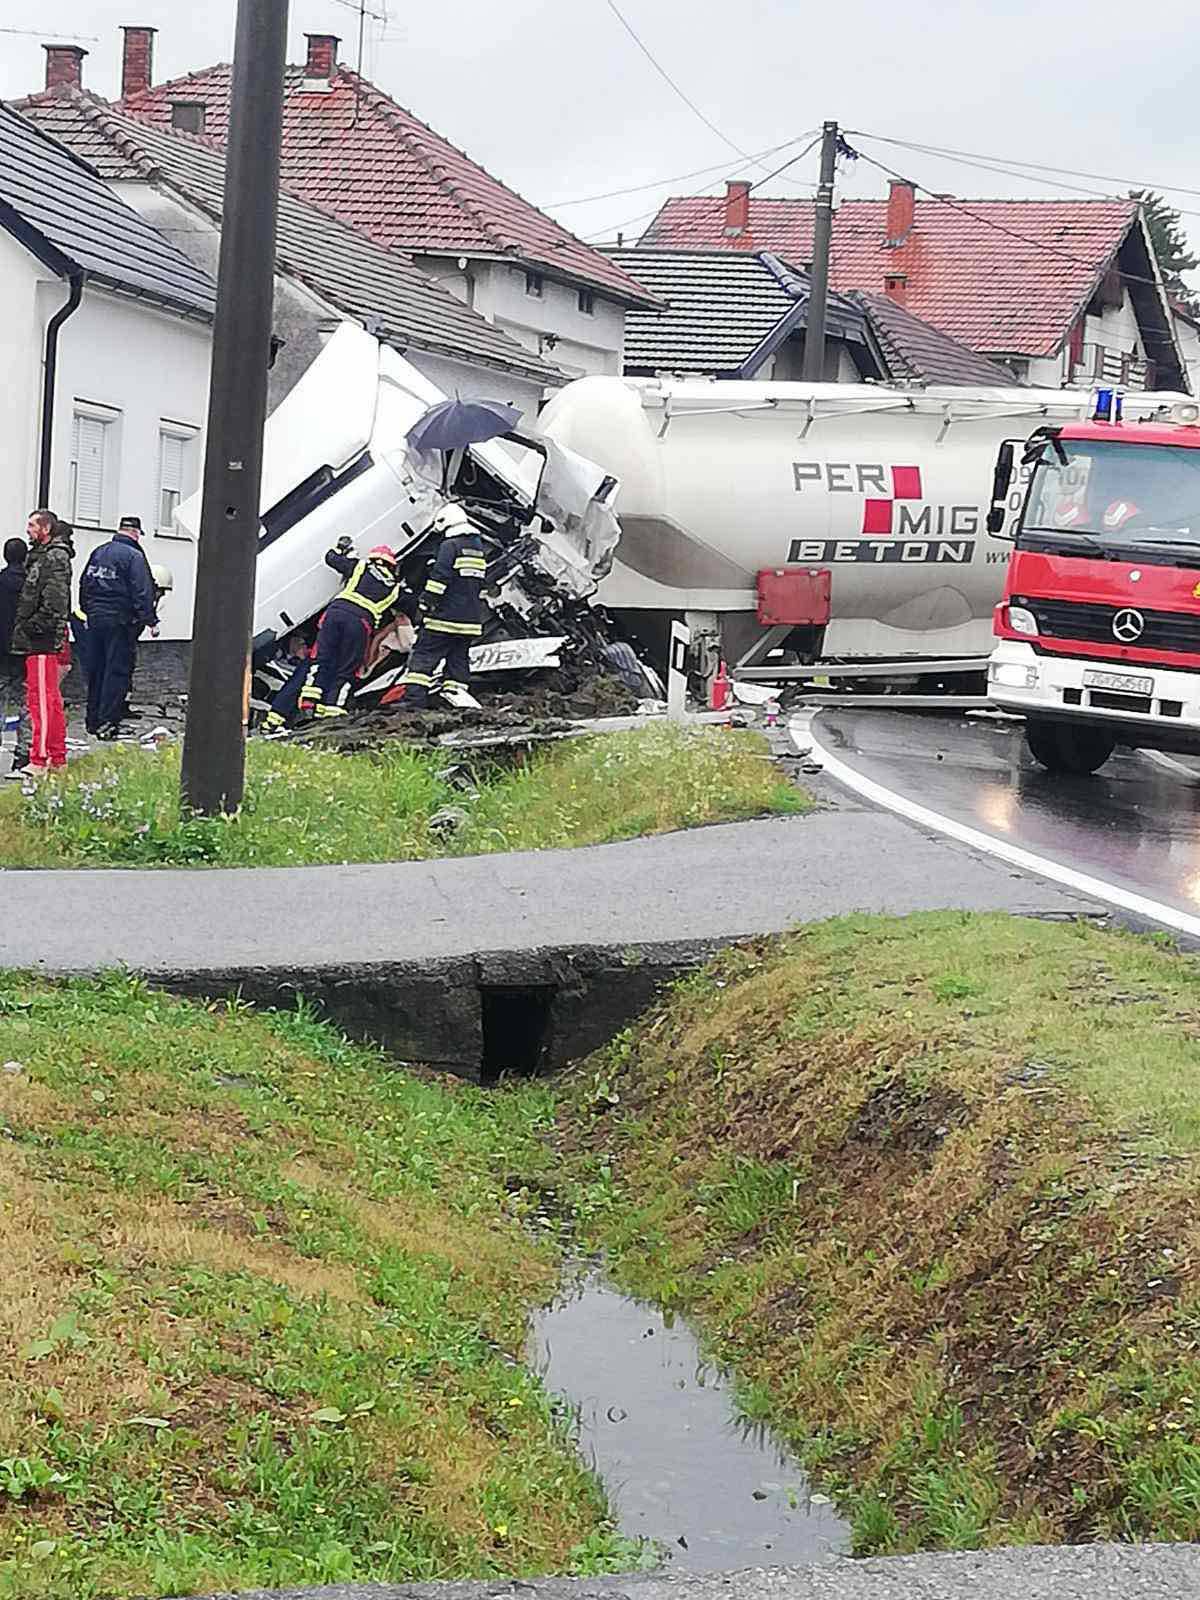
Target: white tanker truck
column 844, row 522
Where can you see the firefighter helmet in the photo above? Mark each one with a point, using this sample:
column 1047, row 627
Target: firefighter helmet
column 452, row 518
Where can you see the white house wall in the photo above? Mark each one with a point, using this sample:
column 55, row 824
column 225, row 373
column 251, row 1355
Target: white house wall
column 552, row 326
column 21, row 336
column 145, row 368
column 1187, row 336
column 1117, row 329
column 301, row 319
column 459, row 379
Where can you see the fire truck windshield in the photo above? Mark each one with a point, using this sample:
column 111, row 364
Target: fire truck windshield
column 1122, row 494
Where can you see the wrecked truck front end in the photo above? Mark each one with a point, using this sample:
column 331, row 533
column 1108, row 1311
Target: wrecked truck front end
column 337, row 463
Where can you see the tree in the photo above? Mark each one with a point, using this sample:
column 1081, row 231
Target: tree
column 1170, row 246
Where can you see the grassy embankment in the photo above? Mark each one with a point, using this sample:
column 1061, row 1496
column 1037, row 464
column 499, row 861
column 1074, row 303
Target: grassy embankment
column 305, row 807
column 931, row 1186
column 262, row 1292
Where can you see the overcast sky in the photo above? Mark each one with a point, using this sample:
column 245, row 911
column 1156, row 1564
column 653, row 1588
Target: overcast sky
column 554, row 97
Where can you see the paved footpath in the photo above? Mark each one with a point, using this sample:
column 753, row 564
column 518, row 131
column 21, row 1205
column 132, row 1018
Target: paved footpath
column 1088, row 1572
column 716, row 883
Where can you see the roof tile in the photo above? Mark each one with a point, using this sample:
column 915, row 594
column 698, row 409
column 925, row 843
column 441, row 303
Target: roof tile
column 353, row 151
column 915, row 350
column 1005, row 276
column 720, row 306
column 338, row 263
column 72, row 209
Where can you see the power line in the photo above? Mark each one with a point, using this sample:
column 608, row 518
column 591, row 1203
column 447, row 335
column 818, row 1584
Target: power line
column 1016, row 161
column 38, row 33
column 670, row 81
column 999, row 227
column 645, row 216
column 674, row 86
column 679, row 177
column 983, row 165
column 790, row 162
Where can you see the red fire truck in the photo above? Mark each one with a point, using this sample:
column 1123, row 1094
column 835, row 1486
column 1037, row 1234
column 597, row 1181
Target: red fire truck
column 1098, row 634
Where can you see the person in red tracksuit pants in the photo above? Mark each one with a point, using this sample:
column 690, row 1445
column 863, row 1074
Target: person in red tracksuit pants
column 40, row 635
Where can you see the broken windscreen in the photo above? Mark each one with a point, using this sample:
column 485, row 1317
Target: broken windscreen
column 1125, row 494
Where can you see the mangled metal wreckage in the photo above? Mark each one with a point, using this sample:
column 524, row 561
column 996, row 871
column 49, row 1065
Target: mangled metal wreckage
column 337, row 464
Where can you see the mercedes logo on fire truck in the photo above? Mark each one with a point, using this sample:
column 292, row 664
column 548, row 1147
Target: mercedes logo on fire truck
column 1128, row 626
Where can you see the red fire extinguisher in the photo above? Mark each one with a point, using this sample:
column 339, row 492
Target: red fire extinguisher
column 719, row 694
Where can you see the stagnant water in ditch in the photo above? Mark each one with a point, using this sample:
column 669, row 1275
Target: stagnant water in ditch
column 661, row 1428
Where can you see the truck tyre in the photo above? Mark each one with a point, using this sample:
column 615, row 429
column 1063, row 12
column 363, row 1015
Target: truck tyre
column 1063, row 747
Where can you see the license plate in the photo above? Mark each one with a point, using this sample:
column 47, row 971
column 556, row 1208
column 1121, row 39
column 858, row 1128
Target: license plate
column 1122, row 682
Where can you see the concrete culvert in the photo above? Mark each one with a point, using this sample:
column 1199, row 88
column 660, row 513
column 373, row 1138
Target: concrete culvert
column 516, row 1026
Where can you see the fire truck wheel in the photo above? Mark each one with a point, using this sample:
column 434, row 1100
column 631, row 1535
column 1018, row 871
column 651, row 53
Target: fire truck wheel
column 1064, row 747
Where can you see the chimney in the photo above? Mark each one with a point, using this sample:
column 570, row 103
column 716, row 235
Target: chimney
column 322, row 56
column 737, row 209
column 137, row 68
column 895, row 286
column 64, row 66
column 901, row 207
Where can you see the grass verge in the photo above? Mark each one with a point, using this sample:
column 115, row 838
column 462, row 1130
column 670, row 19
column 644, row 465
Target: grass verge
column 930, row 1186
column 263, row 1296
column 306, row 807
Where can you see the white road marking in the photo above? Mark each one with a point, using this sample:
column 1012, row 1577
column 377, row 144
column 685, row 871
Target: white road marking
column 1177, row 769
column 805, row 736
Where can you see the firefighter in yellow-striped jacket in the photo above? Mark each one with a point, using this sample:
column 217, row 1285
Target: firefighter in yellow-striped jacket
column 450, row 610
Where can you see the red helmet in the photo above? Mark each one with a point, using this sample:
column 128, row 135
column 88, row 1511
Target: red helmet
column 384, row 552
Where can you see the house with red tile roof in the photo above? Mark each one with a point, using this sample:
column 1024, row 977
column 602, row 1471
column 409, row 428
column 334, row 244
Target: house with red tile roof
column 744, row 314
column 1060, row 291
column 351, row 150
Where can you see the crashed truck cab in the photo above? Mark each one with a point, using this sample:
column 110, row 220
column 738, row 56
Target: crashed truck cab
column 337, row 463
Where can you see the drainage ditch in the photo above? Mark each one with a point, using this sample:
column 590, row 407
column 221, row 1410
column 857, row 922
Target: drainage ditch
column 661, row 1428
column 657, row 1423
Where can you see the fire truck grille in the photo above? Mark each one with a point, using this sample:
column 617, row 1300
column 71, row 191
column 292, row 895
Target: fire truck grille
column 1093, row 624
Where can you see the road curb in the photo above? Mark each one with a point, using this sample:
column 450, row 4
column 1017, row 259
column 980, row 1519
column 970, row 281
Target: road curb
column 1034, row 1572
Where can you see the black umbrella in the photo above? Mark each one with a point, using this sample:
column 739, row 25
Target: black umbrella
column 454, row 424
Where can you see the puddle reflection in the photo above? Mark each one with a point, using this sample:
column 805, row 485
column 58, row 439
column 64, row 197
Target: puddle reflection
column 661, row 1428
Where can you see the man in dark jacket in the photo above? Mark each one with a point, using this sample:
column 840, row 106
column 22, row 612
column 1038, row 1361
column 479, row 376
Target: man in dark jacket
column 40, row 635
column 451, row 610
column 12, row 667
column 116, row 594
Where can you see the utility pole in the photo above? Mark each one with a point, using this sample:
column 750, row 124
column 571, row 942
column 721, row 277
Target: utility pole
column 814, row 334
column 214, row 746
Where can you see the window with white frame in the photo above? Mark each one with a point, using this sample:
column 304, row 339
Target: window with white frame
column 178, row 450
column 93, row 466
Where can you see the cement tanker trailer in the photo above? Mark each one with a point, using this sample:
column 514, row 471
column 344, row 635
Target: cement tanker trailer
column 836, row 522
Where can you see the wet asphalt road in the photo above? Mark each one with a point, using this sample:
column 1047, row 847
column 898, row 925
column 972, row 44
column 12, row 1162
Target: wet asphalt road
column 1135, row 824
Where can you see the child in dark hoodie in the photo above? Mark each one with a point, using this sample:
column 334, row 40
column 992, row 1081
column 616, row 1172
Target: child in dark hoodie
column 12, row 667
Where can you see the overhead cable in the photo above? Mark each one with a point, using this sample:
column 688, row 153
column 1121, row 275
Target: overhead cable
column 679, row 177
column 999, row 227
column 673, row 85
column 1016, row 161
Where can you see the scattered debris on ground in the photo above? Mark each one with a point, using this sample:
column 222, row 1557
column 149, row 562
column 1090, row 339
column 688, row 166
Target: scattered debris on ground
column 533, row 715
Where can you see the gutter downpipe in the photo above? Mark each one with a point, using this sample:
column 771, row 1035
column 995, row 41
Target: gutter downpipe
column 50, row 382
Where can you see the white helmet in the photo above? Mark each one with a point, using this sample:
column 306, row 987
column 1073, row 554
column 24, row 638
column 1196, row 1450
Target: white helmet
column 452, row 518
column 163, row 579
